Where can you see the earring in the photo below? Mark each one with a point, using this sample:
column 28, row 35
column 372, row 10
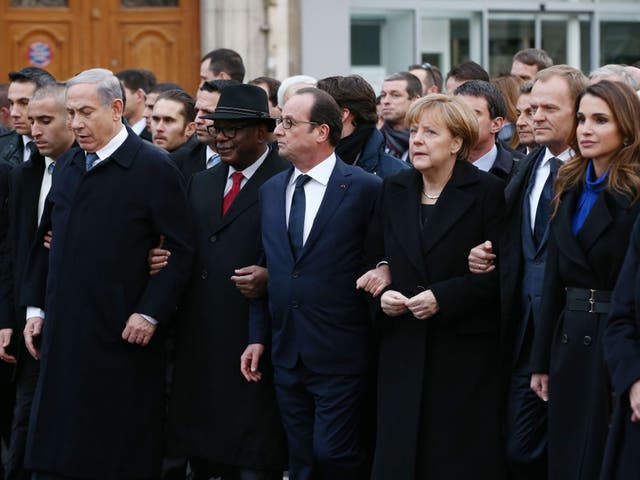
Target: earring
column 625, row 142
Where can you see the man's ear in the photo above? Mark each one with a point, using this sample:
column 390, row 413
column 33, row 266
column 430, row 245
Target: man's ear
column 190, row 129
column 496, row 124
column 323, row 133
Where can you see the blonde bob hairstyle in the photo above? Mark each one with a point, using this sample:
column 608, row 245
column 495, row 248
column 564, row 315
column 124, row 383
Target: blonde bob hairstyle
column 456, row 115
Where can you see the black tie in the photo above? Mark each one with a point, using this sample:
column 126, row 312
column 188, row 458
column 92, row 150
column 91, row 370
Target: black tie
column 296, row 216
column 543, row 212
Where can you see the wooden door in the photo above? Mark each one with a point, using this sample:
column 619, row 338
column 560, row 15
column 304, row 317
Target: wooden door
column 67, row 36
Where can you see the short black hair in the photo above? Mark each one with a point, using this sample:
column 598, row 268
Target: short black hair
column 355, row 93
column 433, row 72
column 36, row 75
column 533, row 56
column 187, row 101
column 217, row 85
column 137, row 78
column 272, row 85
column 326, row 111
column 414, row 85
column 496, row 103
column 165, row 87
column 468, row 71
column 226, row 60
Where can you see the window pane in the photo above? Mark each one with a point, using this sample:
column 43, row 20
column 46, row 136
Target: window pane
column 554, row 40
column 619, row 42
column 149, row 3
column 38, row 3
column 365, row 43
column 506, row 37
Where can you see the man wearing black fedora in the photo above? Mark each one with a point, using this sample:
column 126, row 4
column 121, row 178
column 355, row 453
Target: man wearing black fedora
column 226, row 426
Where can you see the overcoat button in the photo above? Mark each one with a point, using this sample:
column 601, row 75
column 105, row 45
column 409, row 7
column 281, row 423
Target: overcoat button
column 294, row 304
column 204, row 274
column 587, row 340
column 213, row 239
column 295, row 274
column 565, row 338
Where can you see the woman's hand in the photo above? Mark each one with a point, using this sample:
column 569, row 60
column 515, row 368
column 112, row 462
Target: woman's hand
column 393, row 303
column 634, row 400
column 423, row 305
column 540, row 385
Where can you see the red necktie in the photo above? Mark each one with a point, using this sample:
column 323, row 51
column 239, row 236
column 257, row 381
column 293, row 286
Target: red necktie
column 236, row 177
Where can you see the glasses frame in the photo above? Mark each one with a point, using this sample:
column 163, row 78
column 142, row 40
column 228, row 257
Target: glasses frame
column 214, row 131
column 429, row 68
column 288, row 123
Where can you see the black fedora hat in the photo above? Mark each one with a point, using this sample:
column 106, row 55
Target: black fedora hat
column 243, row 102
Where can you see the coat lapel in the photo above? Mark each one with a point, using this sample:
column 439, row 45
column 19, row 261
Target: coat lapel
column 339, row 183
column 600, row 218
column 562, row 229
column 217, row 181
column 452, row 204
column 33, row 172
column 405, row 220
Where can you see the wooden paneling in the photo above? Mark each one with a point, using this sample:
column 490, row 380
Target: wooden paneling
column 103, row 33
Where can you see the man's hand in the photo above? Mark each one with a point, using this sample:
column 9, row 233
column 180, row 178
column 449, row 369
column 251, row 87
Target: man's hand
column 138, row 330
column 540, row 385
column 158, row 258
column 5, row 341
column 32, row 330
column 47, row 239
column 393, row 303
column 249, row 362
column 251, row 281
column 481, row 258
column 375, row 280
column 634, row 400
column 423, row 305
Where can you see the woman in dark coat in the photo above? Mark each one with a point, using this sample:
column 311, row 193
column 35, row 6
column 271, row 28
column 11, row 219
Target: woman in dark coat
column 595, row 208
column 438, row 390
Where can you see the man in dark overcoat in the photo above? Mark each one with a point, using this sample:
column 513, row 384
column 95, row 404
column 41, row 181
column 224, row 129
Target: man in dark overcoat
column 98, row 408
column 225, row 425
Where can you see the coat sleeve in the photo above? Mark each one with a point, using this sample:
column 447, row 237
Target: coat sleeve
column 459, row 296
column 621, row 342
column 170, row 216
column 551, row 306
column 7, row 312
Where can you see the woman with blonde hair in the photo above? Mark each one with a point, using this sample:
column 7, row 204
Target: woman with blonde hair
column 594, row 209
column 438, row 385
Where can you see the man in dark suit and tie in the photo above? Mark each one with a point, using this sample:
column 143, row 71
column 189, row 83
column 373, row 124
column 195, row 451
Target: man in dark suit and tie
column 29, row 184
column 98, row 408
column 224, row 425
column 522, row 262
column 314, row 220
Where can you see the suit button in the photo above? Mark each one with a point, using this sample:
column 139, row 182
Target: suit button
column 294, row 305
column 204, row 274
column 295, row 274
column 213, row 239
column 587, row 340
column 565, row 338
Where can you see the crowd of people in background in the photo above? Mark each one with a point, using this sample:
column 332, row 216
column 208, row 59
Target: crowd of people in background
column 439, row 280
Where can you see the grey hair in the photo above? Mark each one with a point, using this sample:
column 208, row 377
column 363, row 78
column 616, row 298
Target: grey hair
column 295, row 80
column 614, row 71
column 107, row 84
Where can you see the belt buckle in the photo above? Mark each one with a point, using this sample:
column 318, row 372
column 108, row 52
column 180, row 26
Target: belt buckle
column 592, row 301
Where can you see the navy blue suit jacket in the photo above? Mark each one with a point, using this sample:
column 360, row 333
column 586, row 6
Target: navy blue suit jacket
column 317, row 315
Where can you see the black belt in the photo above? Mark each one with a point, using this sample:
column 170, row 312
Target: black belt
column 588, row 300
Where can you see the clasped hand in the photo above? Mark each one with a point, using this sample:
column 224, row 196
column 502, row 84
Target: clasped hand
column 422, row 306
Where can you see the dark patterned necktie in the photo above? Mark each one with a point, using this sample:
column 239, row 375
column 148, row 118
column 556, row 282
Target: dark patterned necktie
column 543, row 212
column 296, row 216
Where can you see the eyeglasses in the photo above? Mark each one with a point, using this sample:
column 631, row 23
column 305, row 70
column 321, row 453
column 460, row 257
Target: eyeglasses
column 288, row 122
column 229, row 131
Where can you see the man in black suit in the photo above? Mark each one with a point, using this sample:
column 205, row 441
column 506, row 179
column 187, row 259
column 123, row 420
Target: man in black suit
column 99, row 407
column 488, row 103
column 29, row 184
column 227, row 427
column 201, row 155
column 522, row 263
column 16, row 146
column 136, row 84
column 173, row 120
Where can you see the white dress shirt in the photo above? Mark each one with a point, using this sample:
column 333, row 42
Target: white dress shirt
column 247, row 172
column 314, row 191
column 139, row 126
column 45, row 186
column 486, row 161
column 541, row 174
column 212, row 158
column 26, row 152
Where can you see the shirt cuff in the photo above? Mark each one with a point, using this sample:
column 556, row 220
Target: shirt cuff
column 149, row 319
column 35, row 312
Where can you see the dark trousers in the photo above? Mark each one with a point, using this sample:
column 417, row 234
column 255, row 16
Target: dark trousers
column 321, row 416
column 26, row 380
column 204, row 470
column 7, row 397
column 526, row 430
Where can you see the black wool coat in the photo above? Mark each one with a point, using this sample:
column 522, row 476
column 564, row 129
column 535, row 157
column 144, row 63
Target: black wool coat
column 438, row 382
column 568, row 343
column 99, row 405
column 215, row 413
